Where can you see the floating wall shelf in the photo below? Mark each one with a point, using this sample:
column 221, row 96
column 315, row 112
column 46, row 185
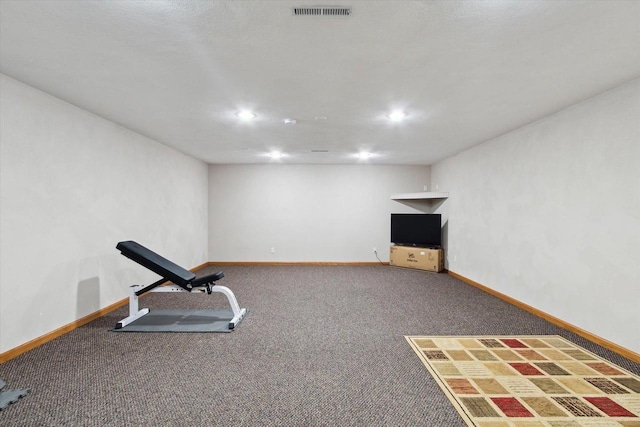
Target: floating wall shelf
column 425, row 195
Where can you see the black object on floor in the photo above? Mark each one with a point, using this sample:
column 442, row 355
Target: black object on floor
column 8, row 397
column 181, row 321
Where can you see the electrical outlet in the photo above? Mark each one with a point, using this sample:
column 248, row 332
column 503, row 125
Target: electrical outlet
column 375, row 249
column 273, row 250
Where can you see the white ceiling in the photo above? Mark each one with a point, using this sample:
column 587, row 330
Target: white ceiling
column 464, row 71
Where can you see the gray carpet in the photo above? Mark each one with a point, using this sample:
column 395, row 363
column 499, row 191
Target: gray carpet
column 323, row 346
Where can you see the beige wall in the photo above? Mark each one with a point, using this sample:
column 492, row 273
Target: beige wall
column 71, row 186
column 549, row 214
column 317, row 213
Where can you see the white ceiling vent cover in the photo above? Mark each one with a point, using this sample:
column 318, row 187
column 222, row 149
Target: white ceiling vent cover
column 323, row 11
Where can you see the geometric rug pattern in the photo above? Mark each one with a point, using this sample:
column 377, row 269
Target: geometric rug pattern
column 527, row 381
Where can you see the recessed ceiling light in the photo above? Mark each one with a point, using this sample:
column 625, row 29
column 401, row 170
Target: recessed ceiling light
column 364, row 155
column 397, row 116
column 246, row 115
column 289, row 121
column 275, row 155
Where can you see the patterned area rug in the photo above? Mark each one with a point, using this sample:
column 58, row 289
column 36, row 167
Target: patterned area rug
column 500, row 381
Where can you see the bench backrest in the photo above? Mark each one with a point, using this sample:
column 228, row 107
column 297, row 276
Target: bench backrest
column 154, row 262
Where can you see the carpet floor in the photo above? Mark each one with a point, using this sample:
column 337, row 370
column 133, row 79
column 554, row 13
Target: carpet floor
column 321, row 346
column 526, row 381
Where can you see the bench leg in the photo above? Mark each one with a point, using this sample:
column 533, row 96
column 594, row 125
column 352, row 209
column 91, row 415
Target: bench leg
column 134, row 313
column 238, row 313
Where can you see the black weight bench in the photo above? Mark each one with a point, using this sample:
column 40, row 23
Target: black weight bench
column 182, row 281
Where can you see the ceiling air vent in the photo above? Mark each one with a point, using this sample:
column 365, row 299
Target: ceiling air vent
column 323, row 11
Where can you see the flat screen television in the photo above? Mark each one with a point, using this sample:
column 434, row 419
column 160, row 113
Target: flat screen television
column 423, row 230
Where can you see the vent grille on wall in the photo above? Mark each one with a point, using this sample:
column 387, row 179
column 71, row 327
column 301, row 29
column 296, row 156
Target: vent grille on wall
column 322, row 11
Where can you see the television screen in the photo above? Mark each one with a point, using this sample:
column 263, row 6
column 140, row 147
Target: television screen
column 416, row 230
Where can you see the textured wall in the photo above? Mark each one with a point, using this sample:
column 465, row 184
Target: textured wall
column 550, row 214
column 307, row 212
column 72, row 186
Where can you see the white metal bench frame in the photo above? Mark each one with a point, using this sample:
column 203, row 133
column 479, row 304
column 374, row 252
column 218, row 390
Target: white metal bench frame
column 135, row 313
